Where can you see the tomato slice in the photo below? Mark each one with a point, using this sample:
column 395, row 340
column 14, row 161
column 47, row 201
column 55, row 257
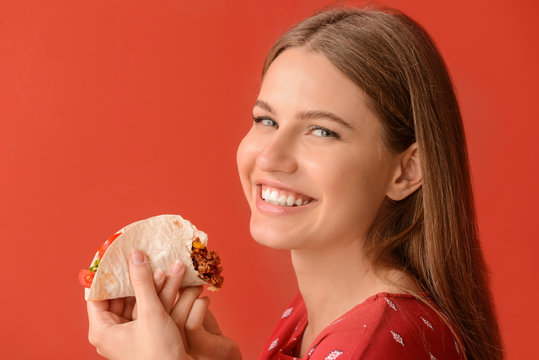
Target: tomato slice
column 106, row 244
column 86, row 277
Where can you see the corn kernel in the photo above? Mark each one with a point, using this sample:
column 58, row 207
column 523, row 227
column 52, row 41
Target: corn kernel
column 198, row 245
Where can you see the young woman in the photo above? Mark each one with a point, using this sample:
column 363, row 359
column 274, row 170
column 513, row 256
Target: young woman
column 357, row 163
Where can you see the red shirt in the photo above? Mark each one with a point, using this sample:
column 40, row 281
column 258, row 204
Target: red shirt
column 384, row 326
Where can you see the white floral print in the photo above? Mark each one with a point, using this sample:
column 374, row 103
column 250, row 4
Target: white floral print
column 391, row 304
column 287, row 313
column 397, row 338
column 333, row 355
column 273, row 344
column 427, row 322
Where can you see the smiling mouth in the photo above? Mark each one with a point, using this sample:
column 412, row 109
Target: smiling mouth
column 283, row 198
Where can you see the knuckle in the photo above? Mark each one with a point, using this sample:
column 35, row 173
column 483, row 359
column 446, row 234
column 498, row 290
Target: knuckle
column 193, row 292
column 190, row 327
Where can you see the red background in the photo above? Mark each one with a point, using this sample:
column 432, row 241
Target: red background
column 114, row 111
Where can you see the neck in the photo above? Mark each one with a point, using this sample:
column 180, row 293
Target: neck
column 333, row 281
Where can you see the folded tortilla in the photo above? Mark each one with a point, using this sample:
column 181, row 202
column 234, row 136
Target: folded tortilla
column 164, row 239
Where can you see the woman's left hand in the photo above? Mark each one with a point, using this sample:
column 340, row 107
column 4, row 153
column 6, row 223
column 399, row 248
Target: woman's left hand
column 152, row 333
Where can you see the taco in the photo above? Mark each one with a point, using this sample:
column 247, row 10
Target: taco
column 164, row 239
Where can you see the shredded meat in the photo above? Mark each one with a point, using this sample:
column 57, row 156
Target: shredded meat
column 207, row 264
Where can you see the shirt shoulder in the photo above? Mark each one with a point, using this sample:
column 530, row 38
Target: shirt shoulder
column 388, row 326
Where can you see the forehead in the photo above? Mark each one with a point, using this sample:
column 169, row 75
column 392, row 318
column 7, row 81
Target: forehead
column 301, row 79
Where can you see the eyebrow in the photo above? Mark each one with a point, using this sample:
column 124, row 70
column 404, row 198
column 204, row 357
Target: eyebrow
column 307, row 115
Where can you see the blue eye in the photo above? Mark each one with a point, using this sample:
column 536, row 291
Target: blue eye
column 265, row 121
column 323, row 132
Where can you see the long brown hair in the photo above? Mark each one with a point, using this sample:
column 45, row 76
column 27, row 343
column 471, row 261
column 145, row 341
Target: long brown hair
column 431, row 234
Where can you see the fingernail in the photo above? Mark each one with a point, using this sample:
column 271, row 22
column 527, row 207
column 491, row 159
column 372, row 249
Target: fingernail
column 137, row 257
column 176, row 267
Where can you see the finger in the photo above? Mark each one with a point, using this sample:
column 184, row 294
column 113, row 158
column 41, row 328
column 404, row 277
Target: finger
column 210, row 324
column 172, row 285
column 99, row 315
column 183, row 305
column 110, row 342
column 96, row 314
column 196, row 336
column 103, row 332
column 143, row 284
column 129, row 308
column 195, row 319
column 159, row 280
column 96, row 309
column 117, row 306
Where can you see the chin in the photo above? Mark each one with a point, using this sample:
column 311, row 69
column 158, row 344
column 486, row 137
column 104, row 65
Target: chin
column 269, row 237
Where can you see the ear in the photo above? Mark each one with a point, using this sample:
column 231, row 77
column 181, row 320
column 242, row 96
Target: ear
column 407, row 176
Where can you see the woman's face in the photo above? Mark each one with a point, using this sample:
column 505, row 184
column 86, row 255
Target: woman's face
column 313, row 166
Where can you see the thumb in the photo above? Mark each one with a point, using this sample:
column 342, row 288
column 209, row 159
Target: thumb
column 141, row 276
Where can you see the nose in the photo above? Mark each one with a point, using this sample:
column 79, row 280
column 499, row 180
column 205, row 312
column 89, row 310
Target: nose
column 278, row 154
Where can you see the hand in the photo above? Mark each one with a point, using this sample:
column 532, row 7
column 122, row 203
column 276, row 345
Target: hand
column 152, row 334
column 205, row 341
column 126, row 308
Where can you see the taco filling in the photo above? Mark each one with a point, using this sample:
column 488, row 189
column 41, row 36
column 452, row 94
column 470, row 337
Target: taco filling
column 206, row 263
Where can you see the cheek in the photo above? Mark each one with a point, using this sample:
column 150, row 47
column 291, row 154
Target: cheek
column 355, row 188
column 241, row 156
column 245, row 160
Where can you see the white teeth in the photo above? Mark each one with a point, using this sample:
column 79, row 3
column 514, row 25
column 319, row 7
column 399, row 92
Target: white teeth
column 290, row 200
column 276, row 197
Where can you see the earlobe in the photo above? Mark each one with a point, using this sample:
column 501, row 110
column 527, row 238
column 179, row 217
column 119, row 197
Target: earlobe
column 407, row 175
